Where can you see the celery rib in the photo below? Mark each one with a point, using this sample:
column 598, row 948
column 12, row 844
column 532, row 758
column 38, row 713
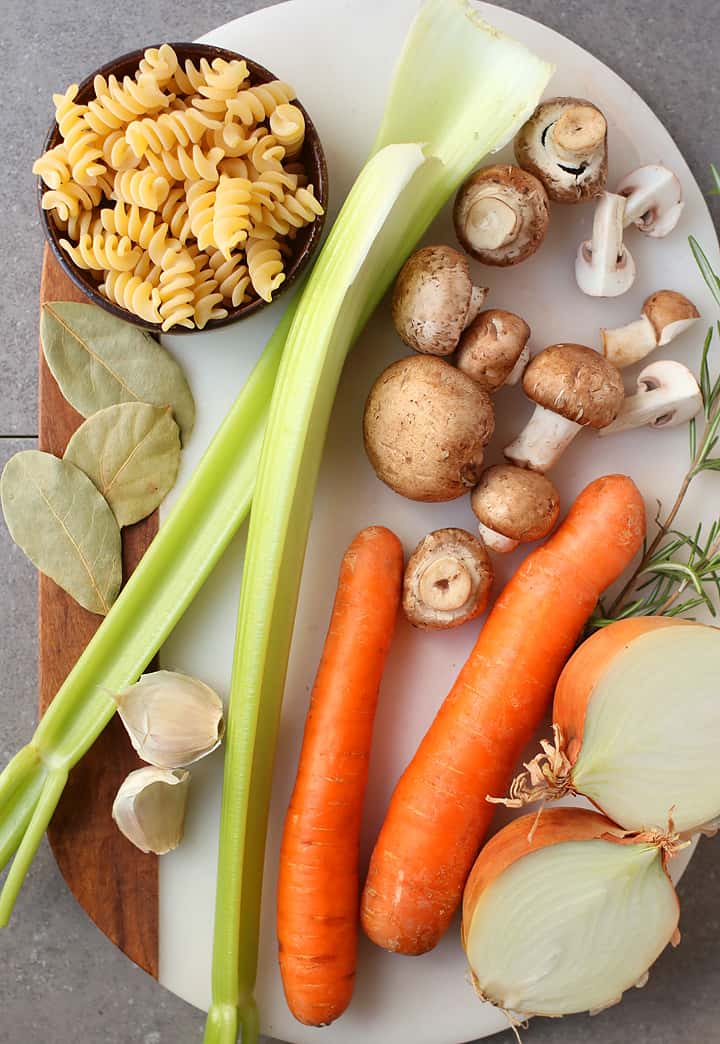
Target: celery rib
column 177, row 563
column 463, row 89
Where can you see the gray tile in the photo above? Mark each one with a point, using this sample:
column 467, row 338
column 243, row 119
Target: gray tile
column 60, row 980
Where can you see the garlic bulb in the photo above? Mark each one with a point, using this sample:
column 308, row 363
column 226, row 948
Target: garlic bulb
column 149, row 808
column 172, row 719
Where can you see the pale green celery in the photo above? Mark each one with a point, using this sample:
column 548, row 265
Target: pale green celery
column 461, row 90
column 182, row 555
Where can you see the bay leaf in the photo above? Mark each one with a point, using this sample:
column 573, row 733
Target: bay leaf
column 131, row 452
column 64, row 526
column 99, row 360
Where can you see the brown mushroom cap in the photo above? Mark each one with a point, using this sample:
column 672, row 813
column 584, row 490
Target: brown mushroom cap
column 505, row 207
column 564, row 144
column 447, row 580
column 518, row 504
column 668, row 306
column 491, row 346
column 425, row 426
column 576, row 382
column 431, row 299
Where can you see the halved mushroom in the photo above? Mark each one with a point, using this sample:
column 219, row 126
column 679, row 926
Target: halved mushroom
column 434, row 299
column 667, row 395
column 604, row 267
column 564, row 144
column 447, row 580
column 665, row 315
column 494, row 349
column 425, row 427
column 513, row 505
column 573, row 387
column 501, row 215
column 654, row 199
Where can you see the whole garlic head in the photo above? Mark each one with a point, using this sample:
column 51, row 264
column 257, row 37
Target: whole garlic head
column 149, row 808
column 172, row 719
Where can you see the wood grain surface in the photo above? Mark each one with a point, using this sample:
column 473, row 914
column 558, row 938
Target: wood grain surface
column 112, row 880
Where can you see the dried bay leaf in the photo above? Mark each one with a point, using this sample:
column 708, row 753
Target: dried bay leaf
column 64, row 526
column 131, row 452
column 99, row 360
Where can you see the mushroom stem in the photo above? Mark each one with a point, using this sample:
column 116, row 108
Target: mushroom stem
column 496, row 541
column 490, row 223
column 446, row 584
column 667, row 395
column 604, row 266
column 628, row 344
column 477, row 300
column 578, row 133
column 542, row 441
column 519, row 368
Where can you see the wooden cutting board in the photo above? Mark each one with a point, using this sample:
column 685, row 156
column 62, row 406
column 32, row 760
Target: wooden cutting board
column 114, row 882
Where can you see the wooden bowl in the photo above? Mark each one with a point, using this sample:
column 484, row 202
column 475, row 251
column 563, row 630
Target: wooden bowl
column 303, row 246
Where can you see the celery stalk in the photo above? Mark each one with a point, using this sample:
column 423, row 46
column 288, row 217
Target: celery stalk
column 179, row 560
column 462, row 89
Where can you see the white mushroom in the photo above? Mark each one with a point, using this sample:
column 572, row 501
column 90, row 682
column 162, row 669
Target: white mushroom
column 501, row 215
column 667, row 395
column 434, row 300
column 665, row 315
column 447, row 580
column 564, row 144
column 654, row 199
column 572, row 386
column 494, row 349
column 604, row 266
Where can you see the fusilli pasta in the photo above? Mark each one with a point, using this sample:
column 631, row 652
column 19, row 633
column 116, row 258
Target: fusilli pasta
column 103, row 251
column 256, row 103
column 287, row 124
column 133, row 293
column 231, row 213
column 265, row 266
column 145, row 188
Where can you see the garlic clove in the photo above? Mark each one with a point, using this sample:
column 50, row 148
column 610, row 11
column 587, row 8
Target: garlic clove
column 172, row 719
column 149, row 808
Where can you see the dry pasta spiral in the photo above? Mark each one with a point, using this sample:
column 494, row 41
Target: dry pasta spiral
column 71, row 198
column 208, row 299
column 141, row 227
column 160, row 63
column 133, row 293
column 294, row 212
column 102, row 252
column 53, row 167
column 177, row 289
column 176, row 214
column 222, row 79
column 287, row 124
column 81, row 144
column 117, row 153
column 265, row 266
column 117, row 104
column 145, row 188
column 271, row 185
column 201, row 209
column 181, row 165
column 267, row 154
column 231, row 213
column 169, row 129
column 232, row 277
column 256, row 103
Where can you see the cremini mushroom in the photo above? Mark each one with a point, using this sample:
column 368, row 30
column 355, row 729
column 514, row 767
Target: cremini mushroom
column 501, row 215
column 513, row 505
column 667, row 395
column 434, row 299
column 494, row 349
column 425, row 426
column 564, row 144
column 654, row 199
column 665, row 315
column 447, row 580
column 572, row 386
column 604, row 266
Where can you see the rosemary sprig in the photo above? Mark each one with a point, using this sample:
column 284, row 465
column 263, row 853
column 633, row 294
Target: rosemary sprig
column 680, row 571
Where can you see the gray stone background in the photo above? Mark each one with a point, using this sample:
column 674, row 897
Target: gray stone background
column 60, row 979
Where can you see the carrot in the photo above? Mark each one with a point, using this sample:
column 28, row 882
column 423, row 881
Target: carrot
column 318, row 888
column 438, row 815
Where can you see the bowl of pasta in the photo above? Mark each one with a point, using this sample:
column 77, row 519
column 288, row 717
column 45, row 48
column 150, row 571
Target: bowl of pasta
column 182, row 187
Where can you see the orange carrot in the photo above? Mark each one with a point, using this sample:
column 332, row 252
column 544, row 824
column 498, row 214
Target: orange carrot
column 318, row 888
column 438, row 815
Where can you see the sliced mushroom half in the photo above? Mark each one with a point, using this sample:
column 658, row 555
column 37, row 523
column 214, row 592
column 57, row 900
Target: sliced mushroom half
column 564, row 144
column 447, row 580
column 501, row 215
column 434, row 300
column 654, row 199
column 667, row 395
column 665, row 315
column 572, row 387
column 604, row 267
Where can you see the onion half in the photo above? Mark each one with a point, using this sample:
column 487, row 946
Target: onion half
column 565, row 917
column 637, row 727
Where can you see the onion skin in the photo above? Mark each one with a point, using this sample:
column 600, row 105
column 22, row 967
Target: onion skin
column 528, row 834
column 581, row 673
